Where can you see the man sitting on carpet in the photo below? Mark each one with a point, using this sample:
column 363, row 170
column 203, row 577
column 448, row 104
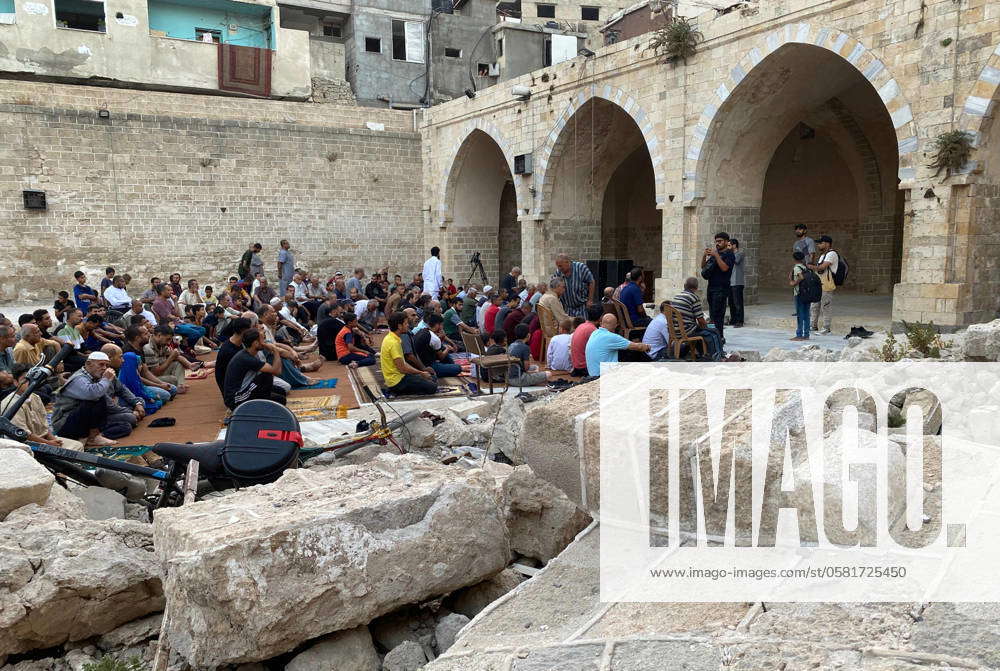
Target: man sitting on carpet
column 249, row 377
column 430, row 348
column 347, row 352
column 230, row 347
column 400, row 377
column 82, row 406
column 31, row 415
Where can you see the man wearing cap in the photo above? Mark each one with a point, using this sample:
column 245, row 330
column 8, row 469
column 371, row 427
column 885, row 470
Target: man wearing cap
column 485, row 300
column 81, row 406
column 826, row 267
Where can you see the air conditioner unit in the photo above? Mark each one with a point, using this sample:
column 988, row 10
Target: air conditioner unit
column 522, row 164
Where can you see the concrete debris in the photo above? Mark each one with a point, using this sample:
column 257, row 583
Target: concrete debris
column 22, row 481
column 70, row 580
column 407, row 656
column 101, row 503
column 267, row 568
column 408, row 624
column 133, row 633
column 541, row 520
column 447, row 630
column 61, row 505
column 929, row 406
column 982, row 341
column 472, row 600
column 349, row 650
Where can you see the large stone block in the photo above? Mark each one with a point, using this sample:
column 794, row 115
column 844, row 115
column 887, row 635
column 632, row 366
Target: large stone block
column 70, row 580
column 255, row 574
column 22, row 481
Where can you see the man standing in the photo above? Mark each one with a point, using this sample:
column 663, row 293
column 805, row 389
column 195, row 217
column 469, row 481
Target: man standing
column 736, row 283
column 509, row 282
column 826, row 268
column 250, row 377
column 580, row 285
column 356, row 281
column 433, row 277
column 286, row 267
column 717, row 268
column 803, row 243
column 400, row 377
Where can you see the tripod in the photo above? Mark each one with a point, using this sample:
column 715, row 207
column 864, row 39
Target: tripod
column 477, row 264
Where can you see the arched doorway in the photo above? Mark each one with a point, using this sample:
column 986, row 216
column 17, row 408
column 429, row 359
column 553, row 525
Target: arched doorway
column 600, row 191
column 483, row 207
column 806, row 139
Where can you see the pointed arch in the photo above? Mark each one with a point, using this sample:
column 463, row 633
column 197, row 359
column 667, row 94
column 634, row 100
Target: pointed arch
column 558, row 138
column 841, row 44
column 459, row 152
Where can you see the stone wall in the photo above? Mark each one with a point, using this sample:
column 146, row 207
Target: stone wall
column 175, row 182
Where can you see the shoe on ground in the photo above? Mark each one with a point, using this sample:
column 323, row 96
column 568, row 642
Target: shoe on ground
column 798, row 339
column 825, row 332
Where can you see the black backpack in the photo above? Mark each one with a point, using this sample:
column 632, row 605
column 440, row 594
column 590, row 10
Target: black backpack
column 840, row 276
column 810, row 288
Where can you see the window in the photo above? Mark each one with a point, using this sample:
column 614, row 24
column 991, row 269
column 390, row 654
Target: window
column 590, row 13
column 373, row 45
column 547, row 56
column 333, row 30
column 500, row 46
column 408, row 41
column 452, row 53
column 80, row 14
column 545, row 11
column 208, row 35
column 483, row 69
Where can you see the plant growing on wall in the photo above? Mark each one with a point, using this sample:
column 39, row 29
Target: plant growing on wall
column 951, row 151
column 676, row 41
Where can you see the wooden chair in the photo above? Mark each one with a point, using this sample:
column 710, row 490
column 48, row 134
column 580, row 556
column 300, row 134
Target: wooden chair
column 625, row 326
column 679, row 335
column 550, row 328
column 493, row 362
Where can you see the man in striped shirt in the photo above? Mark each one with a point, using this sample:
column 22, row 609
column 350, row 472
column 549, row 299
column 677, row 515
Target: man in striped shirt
column 693, row 314
column 580, row 285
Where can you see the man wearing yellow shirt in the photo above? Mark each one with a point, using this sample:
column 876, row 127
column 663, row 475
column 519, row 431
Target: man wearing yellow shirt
column 400, row 377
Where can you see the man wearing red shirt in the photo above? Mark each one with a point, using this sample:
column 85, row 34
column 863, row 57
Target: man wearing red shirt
column 578, row 343
column 490, row 318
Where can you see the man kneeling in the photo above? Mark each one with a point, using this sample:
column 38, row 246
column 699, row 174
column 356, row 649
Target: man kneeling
column 400, row 377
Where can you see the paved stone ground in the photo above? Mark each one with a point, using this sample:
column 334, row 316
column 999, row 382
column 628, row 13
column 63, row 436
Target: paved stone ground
column 556, row 622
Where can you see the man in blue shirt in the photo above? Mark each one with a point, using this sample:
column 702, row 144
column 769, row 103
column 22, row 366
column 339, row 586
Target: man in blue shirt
column 631, row 298
column 82, row 294
column 604, row 345
column 657, row 335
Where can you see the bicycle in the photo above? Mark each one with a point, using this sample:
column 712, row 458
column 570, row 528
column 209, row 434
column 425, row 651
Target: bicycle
column 262, row 442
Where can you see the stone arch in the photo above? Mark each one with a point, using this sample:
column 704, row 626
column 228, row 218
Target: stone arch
column 976, row 117
column 459, row 152
column 843, row 45
column 558, row 138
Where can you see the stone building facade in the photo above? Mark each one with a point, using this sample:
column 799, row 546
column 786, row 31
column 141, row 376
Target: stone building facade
column 174, row 182
column 823, row 112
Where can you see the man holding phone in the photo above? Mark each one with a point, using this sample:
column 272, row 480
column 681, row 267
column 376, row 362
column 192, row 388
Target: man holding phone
column 717, row 267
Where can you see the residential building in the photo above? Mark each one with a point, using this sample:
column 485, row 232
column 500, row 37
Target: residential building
column 522, row 48
column 156, row 44
column 639, row 19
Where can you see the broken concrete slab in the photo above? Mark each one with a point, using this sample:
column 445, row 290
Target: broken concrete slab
column 407, row 656
column 259, row 572
column 348, row 650
column 541, row 520
column 61, row 505
column 966, row 630
column 447, row 630
column 472, row 600
column 132, row 633
column 101, row 503
column 22, row 481
column 70, row 580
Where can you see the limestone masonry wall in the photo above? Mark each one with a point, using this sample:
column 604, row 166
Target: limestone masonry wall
column 183, row 183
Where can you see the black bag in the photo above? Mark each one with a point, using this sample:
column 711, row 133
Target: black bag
column 706, row 272
column 840, row 276
column 262, row 441
column 811, row 287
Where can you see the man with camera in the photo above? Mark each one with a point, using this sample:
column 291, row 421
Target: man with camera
column 717, row 267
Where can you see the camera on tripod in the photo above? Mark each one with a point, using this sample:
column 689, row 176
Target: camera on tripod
column 474, row 260
column 477, row 266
